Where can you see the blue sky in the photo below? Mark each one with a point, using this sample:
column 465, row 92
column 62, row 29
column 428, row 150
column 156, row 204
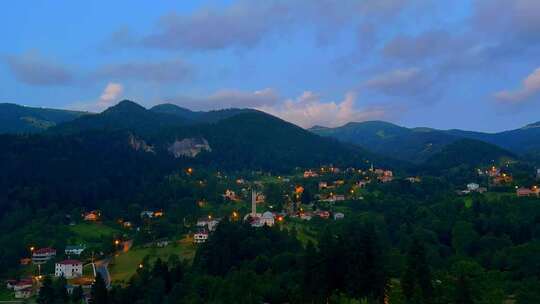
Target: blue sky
column 469, row 64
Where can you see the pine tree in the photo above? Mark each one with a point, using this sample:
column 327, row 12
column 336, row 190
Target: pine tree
column 77, row 295
column 99, row 291
column 416, row 281
column 46, row 292
column 463, row 291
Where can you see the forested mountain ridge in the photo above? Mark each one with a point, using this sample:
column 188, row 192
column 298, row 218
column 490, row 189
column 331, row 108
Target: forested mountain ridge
column 20, row 119
column 198, row 116
column 414, row 145
column 419, row 144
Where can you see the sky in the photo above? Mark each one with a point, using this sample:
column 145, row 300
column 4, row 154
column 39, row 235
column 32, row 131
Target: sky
column 468, row 64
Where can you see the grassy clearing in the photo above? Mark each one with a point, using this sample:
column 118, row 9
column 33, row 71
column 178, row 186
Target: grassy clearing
column 304, row 233
column 6, row 295
column 92, row 232
column 125, row 264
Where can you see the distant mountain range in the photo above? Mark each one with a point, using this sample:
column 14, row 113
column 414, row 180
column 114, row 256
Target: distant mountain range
column 231, row 139
column 249, row 138
column 20, row 119
column 420, row 144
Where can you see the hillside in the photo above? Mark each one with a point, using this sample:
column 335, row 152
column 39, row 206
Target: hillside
column 198, row 116
column 126, row 115
column 384, row 138
column 523, row 140
column 419, row 144
column 20, row 119
column 264, row 141
column 467, row 153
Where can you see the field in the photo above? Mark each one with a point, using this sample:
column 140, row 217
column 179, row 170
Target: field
column 92, row 232
column 125, row 264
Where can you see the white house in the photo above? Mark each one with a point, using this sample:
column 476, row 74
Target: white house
column 339, row 216
column 209, row 223
column 473, row 186
column 68, row 269
column 267, row 219
column 200, row 236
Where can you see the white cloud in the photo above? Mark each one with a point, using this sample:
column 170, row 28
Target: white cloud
column 530, row 87
column 228, row 98
column 408, row 82
column 308, row 110
column 109, row 97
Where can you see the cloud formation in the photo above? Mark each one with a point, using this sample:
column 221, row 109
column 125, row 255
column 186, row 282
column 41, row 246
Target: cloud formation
column 167, row 71
column 530, row 88
column 519, row 19
column 35, row 70
column 245, row 23
column 111, row 94
column 400, row 82
column 309, row 110
column 228, row 98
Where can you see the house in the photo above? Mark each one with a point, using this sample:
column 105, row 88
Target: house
column 92, row 216
column 162, row 243
column 230, row 195
column 23, row 293
column 127, row 224
column 25, row 261
column 10, row 284
column 310, row 173
column 147, row 214
column 200, row 236
column 43, row 255
column 74, row 249
column 323, row 185
column 339, row 182
column 267, row 219
column 208, row 223
column 68, row 269
column 473, row 186
column 413, row 179
column 261, row 198
column 525, row 192
column 493, row 172
column 306, row 216
column 362, row 183
column 339, row 216
column 159, row 213
column 23, row 289
column 323, row 214
column 502, row 179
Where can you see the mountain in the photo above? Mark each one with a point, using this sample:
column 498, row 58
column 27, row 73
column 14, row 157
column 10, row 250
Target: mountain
column 20, row 119
column 419, row 144
column 198, row 116
column 231, row 139
column 467, row 153
column 126, row 115
column 259, row 140
column 523, row 140
column 384, row 138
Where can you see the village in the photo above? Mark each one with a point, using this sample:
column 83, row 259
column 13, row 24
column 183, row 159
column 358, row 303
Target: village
column 307, row 198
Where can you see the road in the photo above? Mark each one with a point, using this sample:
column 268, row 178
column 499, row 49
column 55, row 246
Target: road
column 102, row 268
